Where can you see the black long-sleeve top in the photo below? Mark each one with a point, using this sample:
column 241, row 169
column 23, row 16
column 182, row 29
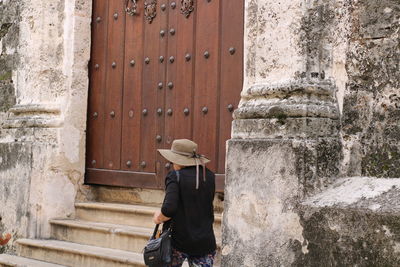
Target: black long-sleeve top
column 191, row 210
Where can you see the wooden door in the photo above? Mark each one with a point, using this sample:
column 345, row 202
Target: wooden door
column 161, row 70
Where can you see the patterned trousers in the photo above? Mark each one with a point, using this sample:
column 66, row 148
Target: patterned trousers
column 179, row 257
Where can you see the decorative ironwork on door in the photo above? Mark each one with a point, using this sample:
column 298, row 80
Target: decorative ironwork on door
column 187, row 7
column 131, row 9
column 150, row 10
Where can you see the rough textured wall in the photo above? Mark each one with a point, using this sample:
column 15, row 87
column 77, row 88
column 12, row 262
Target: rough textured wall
column 287, row 40
column 371, row 111
column 14, row 190
column 296, row 52
column 266, row 22
column 266, row 180
column 366, row 238
column 9, row 34
column 15, row 158
column 353, row 223
column 45, row 53
column 323, row 40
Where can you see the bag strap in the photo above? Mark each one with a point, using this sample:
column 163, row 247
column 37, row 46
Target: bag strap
column 155, row 232
column 177, row 176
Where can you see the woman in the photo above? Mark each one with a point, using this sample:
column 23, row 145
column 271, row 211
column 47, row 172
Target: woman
column 188, row 205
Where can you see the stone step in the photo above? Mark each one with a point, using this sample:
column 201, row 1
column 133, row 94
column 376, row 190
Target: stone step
column 16, row 261
column 72, row 254
column 123, row 237
column 128, row 195
column 127, row 214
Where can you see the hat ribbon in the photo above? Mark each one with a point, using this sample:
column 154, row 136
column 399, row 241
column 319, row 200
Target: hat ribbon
column 199, row 161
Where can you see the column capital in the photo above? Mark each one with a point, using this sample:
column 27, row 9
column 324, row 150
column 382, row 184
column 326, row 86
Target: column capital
column 44, row 115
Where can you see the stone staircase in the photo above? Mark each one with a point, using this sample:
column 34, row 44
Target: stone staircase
column 102, row 234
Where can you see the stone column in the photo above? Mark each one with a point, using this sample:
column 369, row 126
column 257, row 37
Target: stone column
column 43, row 138
column 285, row 140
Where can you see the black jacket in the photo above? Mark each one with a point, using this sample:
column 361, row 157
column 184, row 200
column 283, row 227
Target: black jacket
column 191, row 211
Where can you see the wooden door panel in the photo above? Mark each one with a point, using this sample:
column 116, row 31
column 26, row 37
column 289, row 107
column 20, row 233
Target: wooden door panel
column 132, row 112
column 205, row 123
column 161, row 59
column 173, row 87
column 171, row 32
column 182, row 96
column 231, row 79
column 149, row 94
column 114, row 84
column 95, row 118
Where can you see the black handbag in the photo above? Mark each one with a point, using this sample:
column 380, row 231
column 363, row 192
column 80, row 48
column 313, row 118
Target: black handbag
column 158, row 251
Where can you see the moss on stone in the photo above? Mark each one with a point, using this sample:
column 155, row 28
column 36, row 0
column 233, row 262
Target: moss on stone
column 281, row 118
column 371, row 113
column 4, row 29
column 9, row 36
column 382, row 161
column 350, row 237
column 6, row 76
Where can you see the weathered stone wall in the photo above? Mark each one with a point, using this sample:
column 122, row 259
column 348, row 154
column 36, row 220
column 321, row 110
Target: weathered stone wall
column 9, row 36
column 353, row 223
column 45, row 52
column 15, row 157
column 14, row 189
column 266, row 180
column 371, row 109
column 296, row 54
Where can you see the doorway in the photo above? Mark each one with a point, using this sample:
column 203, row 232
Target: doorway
column 161, row 70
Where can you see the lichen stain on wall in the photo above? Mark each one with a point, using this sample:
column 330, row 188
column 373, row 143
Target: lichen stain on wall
column 324, row 32
column 354, row 223
column 14, row 158
column 9, row 34
column 14, row 189
column 41, row 65
column 254, row 205
column 371, row 112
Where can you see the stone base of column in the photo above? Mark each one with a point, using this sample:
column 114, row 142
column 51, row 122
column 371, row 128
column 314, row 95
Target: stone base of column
column 265, row 181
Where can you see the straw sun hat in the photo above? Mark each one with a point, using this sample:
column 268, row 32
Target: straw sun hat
column 183, row 152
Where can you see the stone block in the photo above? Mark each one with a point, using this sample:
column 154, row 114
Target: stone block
column 353, row 223
column 265, row 181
